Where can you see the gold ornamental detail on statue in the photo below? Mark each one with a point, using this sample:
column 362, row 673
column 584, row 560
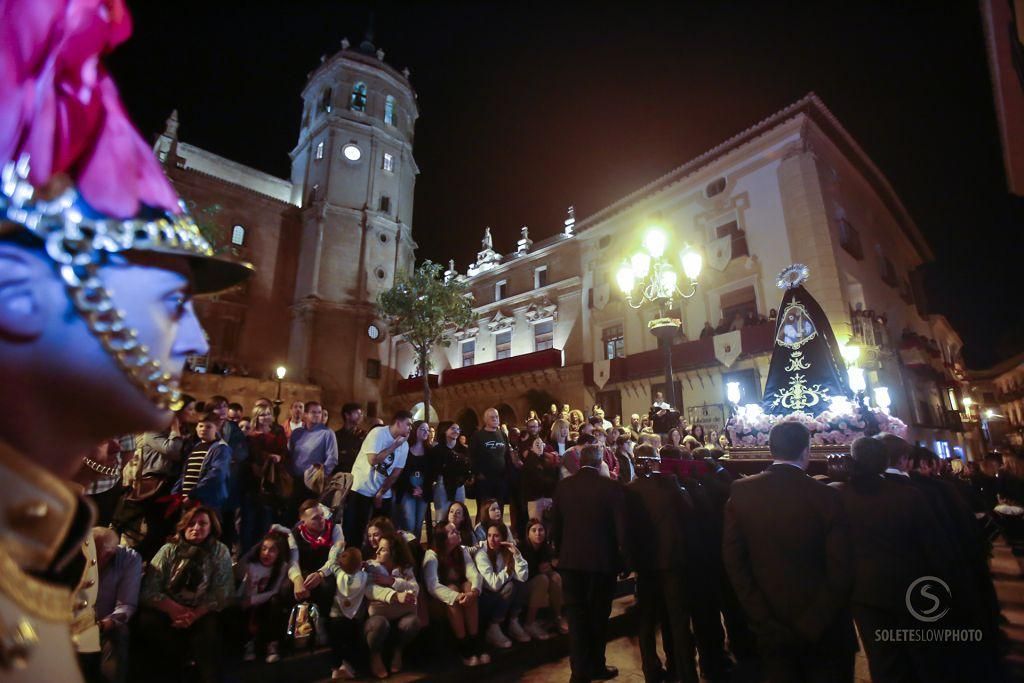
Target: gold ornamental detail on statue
column 797, row 362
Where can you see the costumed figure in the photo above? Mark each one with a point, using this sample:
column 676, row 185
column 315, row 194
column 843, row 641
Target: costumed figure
column 98, row 264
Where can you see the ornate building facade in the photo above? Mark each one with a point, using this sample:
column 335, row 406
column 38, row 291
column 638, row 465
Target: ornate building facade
column 795, row 187
column 325, row 242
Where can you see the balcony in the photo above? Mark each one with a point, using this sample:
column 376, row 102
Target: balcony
column 411, row 384
column 869, row 329
column 527, row 362
column 755, row 339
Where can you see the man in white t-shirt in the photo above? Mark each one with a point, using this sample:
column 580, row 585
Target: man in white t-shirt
column 376, row 469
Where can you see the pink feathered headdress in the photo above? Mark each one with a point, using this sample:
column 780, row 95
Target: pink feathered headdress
column 59, row 106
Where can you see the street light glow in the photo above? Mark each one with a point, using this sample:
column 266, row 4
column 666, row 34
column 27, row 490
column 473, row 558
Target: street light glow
column 882, row 398
column 625, row 278
column 641, row 264
column 732, row 392
column 655, row 242
column 668, row 281
column 692, row 263
column 281, row 371
column 850, row 353
column 857, row 381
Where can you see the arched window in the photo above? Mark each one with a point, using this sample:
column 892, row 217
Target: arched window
column 389, row 111
column 325, row 100
column 358, row 100
column 238, row 235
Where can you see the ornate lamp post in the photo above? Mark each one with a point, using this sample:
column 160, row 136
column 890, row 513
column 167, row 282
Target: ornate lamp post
column 648, row 277
column 280, row 373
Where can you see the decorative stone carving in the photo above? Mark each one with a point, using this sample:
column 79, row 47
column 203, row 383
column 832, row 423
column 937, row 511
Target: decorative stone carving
column 451, row 273
column 486, row 258
column 570, row 223
column 500, row 322
column 541, row 310
column 467, row 333
column 345, row 44
column 524, row 243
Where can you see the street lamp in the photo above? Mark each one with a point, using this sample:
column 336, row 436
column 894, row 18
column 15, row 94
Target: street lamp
column 649, row 277
column 280, row 372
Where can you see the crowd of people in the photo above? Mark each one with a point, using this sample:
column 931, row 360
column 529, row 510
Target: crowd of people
column 235, row 529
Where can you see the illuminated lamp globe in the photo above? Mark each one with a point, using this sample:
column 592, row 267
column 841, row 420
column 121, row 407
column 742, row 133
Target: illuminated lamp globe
column 968, row 402
column 281, row 371
column 625, row 278
column 857, row 381
column 732, row 392
column 692, row 263
column 641, row 264
column 882, row 398
column 668, row 282
column 990, row 413
column 850, row 353
column 655, row 242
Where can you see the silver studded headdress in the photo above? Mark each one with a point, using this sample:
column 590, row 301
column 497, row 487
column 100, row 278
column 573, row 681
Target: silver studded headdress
column 64, row 124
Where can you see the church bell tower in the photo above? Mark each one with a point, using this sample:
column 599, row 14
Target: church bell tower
column 353, row 174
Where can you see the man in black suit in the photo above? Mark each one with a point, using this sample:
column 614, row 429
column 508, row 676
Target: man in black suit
column 896, row 540
column 787, row 550
column 587, row 529
column 658, row 516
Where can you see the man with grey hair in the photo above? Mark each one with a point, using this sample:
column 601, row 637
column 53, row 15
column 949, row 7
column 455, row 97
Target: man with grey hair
column 588, row 532
column 488, row 449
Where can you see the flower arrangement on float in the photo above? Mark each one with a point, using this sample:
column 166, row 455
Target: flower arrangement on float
column 839, row 425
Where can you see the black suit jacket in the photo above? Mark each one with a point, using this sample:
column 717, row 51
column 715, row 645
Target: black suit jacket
column 587, row 526
column 896, row 539
column 787, row 551
column 657, row 516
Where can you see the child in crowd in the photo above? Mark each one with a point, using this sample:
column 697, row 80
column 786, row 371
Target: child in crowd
column 348, row 612
column 544, row 587
column 489, row 513
column 504, row 573
column 204, row 476
column 264, row 616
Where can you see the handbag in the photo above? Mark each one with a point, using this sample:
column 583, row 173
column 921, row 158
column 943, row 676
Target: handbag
column 145, row 487
column 302, row 625
column 276, row 483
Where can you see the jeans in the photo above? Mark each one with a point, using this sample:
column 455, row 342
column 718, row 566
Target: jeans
column 441, row 501
column 412, row 512
column 378, row 628
column 359, row 510
column 496, row 607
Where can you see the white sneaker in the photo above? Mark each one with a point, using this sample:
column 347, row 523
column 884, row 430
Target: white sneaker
column 472, row 660
column 250, row 652
column 515, row 629
column 496, row 638
column 537, row 632
column 344, row 672
column 484, row 658
column 272, row 655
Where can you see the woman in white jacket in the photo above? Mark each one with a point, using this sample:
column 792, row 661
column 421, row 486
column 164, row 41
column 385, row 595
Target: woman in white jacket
column 451, row 577
column 504, row 572
column 391, row 571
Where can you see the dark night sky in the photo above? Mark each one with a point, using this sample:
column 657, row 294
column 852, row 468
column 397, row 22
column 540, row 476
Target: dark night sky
column 526, row 108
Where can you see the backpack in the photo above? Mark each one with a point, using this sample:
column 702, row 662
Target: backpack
column 335, row 492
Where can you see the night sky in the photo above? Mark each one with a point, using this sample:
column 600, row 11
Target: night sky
column 526, row 108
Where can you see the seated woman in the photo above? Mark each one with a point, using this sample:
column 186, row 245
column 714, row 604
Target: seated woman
column 544, row 588
column 264, row 571
column 450, row 576
column 187, row 584
column 504, row 573
column 458, row 514
column 314, row 544
column 489, row 513
column 392, row 572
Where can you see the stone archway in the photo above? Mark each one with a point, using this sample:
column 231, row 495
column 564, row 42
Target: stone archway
column 507, row 414
column 468, row 421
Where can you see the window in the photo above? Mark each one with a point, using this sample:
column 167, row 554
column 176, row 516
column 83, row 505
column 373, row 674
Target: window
column 319, row 150
column 468, row 352
column 389, row 111
column 849, row 239
column 886, row 269
column 544, row 335
column 358, row 100
column 739, row 238
column 500, row 289
column 325, row 100
column 614, row 342
column 951, row 395
column 314, row 193
column 372, row 368
column 740, row 301
column 715, row 187
column 503, row 345
column 388, row 163
column 540, row 277
column 385, row 204
column 238, row 235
